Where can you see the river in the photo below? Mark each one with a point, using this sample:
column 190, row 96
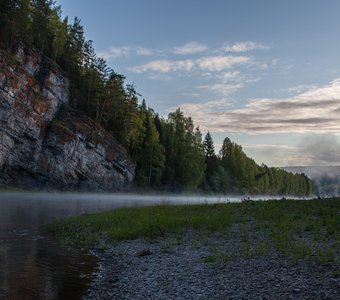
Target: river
column 33, row 266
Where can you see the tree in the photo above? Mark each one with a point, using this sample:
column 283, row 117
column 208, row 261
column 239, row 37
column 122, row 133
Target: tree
column 169, row 152
column 184, row 152
column 150, row 154
column 74, row 46
column 59, row 35
column 101, row 96
column 211, row 163
column 15, row 21
column 209, row 145
column 42, row 32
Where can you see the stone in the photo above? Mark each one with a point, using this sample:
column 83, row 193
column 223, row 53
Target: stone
column 184, row 275
column 44, row 143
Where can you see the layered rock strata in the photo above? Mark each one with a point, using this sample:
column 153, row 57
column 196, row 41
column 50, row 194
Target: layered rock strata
column 42, row 142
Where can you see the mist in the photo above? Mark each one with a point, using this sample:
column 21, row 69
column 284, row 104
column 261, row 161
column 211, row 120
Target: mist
column 323, row 153
column 107, row 200
column 322, row 150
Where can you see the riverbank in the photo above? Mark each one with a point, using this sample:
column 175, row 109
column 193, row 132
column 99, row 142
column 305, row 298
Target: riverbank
column 258, row 250
column 190, row 270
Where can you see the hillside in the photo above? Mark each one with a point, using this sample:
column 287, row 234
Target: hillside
column 106, row 135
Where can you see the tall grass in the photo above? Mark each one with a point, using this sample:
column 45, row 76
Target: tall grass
column 299, row 229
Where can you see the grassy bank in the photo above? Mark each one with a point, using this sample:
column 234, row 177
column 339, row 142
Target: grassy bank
column 4, row 188
column 298, row 229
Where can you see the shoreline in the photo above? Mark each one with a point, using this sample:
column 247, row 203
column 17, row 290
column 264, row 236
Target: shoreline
column 251, row 250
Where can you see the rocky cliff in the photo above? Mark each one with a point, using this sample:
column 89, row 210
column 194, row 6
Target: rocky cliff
column 42, row 142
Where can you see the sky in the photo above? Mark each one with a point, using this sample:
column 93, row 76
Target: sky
column 264, row 73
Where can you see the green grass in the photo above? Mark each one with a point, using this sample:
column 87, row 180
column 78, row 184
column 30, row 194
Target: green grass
column 4, row 188
column 297, row 229
column 147, row 222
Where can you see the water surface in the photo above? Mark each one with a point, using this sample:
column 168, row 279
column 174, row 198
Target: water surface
column 33, row 266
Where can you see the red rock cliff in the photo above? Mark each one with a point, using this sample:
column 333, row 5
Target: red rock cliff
column 42, row 142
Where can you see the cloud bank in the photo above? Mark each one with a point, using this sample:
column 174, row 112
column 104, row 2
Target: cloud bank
column 114, row 52
column 209, row 63
column 244, row 47
column 314, row 111
column 190, row 48
column 164, row 66
column 125, row 51
column 213, row 69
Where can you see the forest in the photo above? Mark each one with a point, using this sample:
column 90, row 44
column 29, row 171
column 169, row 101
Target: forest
column 170, row 153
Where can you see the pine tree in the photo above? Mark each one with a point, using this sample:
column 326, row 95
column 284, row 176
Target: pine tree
column 41, row 25
column 150, row 155
column 209, row 145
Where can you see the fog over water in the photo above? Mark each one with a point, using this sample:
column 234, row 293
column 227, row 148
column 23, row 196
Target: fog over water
column 113, row 200
column 34, row 266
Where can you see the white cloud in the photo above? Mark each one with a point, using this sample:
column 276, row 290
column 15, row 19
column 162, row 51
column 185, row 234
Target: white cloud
column 274, row 62
column 298, row 160
column 269, row 146
column 190, row 48
column 164, row 66
column 229, row 76
column 209, row 106
column 211, row 63
column 219, row 63
column 185, row 65
column 144, row 51
column 114, row 52
column 244, row 47
column 252, row 80
column 222, row 88
column 300, row 88
column 160, row 76
column 186, row 49
column 314, row 111
column 227, row 83
column 263, row 66
column 196, row 95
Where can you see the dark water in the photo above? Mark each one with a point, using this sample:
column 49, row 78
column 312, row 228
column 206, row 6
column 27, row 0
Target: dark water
column 32, row 266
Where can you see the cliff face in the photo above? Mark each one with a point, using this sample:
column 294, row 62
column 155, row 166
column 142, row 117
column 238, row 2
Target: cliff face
column 45, row 145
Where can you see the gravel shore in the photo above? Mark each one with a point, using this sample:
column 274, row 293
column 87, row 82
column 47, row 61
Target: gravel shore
column 208, row 266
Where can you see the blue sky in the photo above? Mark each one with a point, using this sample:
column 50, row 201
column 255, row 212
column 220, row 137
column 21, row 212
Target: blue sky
column 264, row 73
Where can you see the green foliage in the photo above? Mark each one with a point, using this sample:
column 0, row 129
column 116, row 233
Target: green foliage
column 148, row 222
column 211, row 163
column 233, row 172
column 15, row 20
column 149, row 152
column 296, row 229
column 169, row 153
column 184, row 168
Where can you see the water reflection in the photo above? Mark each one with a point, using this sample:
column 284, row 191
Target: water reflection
column 37, row 269
column 33, row 266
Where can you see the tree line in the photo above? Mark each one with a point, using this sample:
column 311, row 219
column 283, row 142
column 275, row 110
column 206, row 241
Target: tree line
column 170, row 153
column 232, row 171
